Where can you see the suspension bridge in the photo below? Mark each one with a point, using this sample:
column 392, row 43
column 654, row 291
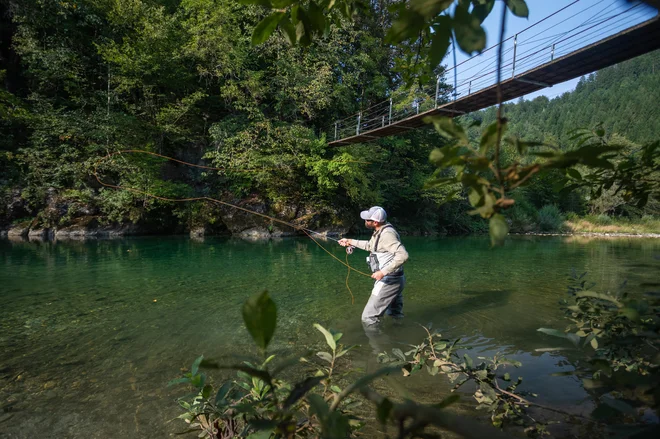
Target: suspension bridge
column 598, row 36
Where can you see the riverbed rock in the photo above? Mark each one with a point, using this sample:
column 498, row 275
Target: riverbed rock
column 17, row 231
column 254, row 234
column 89, row 227
column 38, row 233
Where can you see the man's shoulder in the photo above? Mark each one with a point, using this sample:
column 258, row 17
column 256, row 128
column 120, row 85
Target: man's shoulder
column 389, row 229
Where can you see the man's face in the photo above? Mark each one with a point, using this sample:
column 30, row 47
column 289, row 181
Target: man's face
column 370, row 224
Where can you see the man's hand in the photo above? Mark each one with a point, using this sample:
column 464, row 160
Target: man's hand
column 378, row 275
column 344, row 242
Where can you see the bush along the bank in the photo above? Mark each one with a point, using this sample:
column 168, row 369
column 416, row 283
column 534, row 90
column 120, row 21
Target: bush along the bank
column 550, row 219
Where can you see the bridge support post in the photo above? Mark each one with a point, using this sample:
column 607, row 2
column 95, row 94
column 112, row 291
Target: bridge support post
column 515, row 46
column 335, row 130
column 390, row 118
column 357, row 129
column 437, row 92
column 383, row 122
column 470, row 88
column 552, row 53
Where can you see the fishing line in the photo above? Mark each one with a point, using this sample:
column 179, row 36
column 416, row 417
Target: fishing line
column 306, row 231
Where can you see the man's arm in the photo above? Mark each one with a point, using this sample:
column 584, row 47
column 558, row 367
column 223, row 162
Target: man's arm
column 361, row 244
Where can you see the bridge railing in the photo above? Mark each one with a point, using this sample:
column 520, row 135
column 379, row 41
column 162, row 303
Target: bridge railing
column 569, row 29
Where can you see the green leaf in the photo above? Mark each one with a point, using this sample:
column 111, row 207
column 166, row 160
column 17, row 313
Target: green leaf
column 288, row 30
column 195, row 366
column 498, row 228
column 407, row 25
column 182, row 380
column 594, row 343
column 430, row 8
column 468, row 361
column 260, row 317
column 601, row 296
column 324, row 356
column 399, row 354
column 251, row 371
column 518, row 8
column 344, row 351
column 449, row 128
column 316, row 18
column 265, row 28
column 440, row 41
column 470, row 36
column 482, row 9
column 318, row 405
column 301, row 389
column 223, row 391
column 488, row 138
column 553, row 332
column 383, row 410
column 574, row 173
column 329, row 339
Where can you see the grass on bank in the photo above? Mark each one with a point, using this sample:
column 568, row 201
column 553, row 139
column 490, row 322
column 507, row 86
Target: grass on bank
column 608, row 224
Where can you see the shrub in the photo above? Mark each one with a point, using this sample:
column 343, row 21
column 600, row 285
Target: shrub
column 550, row 218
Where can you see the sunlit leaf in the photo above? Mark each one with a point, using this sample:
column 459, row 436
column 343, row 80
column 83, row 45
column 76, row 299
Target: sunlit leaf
column 329, row 339
column 324, row 356
column 498, row 229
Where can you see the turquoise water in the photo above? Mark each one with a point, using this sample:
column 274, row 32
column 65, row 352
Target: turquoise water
column 92, row 331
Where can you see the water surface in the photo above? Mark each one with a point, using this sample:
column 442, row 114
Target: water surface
column 92, row 331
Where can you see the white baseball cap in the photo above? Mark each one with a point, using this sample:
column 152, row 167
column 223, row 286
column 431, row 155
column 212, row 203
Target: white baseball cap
column 376, row 213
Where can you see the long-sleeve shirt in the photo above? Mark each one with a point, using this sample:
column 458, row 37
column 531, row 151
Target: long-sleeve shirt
column 390, row 243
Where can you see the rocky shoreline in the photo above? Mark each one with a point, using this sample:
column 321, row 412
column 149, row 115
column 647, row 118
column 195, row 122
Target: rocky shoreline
column 22, row 233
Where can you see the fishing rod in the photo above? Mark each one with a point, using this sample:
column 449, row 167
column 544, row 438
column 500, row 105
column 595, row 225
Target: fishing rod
column 306, row 231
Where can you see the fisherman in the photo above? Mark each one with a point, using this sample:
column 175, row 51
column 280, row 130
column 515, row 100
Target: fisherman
column 386, row 258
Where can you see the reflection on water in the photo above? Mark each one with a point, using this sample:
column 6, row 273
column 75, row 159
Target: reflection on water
column 91, row 331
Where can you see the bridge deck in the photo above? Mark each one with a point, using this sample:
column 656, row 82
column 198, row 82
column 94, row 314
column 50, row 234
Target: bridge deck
column 625, row 45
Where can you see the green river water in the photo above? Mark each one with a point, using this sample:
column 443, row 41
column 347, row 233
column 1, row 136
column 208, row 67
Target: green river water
column 92, row 331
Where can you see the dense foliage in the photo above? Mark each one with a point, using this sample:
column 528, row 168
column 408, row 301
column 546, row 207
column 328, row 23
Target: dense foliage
column 183, row 78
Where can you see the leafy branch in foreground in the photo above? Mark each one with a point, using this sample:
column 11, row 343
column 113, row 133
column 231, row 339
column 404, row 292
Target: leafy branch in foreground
column 260, row 404
column 495, row 390
column 489, row 182
column 619, row 333
column 426, row 27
